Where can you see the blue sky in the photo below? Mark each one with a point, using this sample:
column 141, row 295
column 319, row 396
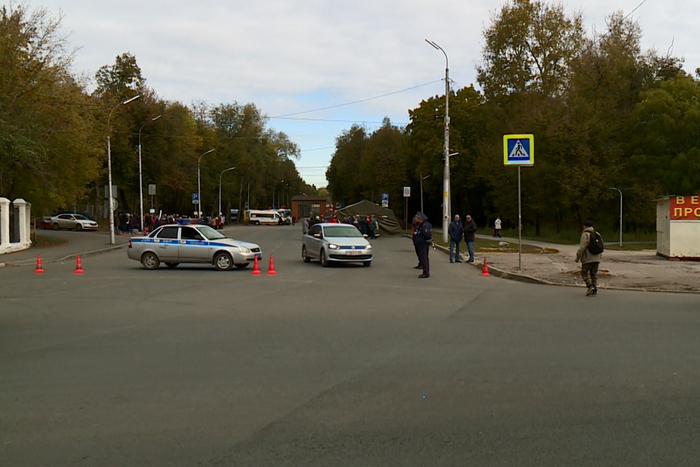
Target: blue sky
column 291, row 56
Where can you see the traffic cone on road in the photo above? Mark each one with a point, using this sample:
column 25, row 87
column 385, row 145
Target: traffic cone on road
column 271, row 267
column 39, row 270
column 256, row 268
column 485, row 268
column 79, row 271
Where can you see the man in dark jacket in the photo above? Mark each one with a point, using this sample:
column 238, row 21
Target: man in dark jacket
column 589, row 260
column 470, row 236
column 456, row 231
column 414, row 232
column 424, row 238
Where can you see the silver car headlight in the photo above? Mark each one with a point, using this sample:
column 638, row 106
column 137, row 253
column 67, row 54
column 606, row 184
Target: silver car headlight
column 368, row 247
column 333, row 246
column 244, row 250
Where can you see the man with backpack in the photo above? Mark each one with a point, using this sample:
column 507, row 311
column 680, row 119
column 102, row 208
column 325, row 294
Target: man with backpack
column 589, row 253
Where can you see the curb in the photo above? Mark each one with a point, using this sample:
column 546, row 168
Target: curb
column 536, row 280
column 29, row 262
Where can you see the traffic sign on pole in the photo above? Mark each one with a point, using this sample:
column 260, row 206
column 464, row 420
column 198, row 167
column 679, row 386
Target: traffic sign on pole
column 407, row 192
column 519, row 150
column 385, row 200
column 195, row 198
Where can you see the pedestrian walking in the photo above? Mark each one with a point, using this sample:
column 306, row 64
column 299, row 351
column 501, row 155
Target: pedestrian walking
column 470, row 236
column 456, row 231
column 590, row 252
column 497, row 227
column 424, row 238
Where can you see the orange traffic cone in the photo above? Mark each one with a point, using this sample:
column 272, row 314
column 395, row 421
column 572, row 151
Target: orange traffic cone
column 256, row 268
column 39, row 270
column 79, row 271
column 485, row 268
column 271, row 267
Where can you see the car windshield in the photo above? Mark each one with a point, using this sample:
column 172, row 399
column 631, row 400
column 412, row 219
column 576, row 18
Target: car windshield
column 341, row 231
column 209, row 233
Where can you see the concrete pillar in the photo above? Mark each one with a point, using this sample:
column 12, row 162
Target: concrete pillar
column 22, row 220
column 4, row 222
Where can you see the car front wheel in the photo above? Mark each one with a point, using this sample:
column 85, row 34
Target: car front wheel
column 150, row 261
column 324, row 260
column 304, row 254
column 223, row 261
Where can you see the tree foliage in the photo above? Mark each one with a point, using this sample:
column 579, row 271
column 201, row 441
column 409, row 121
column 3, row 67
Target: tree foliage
column 604, row 113
column 53, row 133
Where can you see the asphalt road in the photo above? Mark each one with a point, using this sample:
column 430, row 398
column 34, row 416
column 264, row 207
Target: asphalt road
column 340, row 366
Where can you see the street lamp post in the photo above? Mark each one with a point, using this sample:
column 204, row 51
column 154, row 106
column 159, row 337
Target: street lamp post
column 422, row 178
column 109, row 167
column 140, row 171
column 620, row 192
column 220, row 179
column 446, row 207
column 199, row 183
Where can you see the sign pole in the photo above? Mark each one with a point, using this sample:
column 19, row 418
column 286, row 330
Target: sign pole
column 520, row 226
column 406, row 195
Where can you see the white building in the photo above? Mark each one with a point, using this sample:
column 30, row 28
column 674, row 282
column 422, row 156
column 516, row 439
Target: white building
column 15, row 225
column 678, row 227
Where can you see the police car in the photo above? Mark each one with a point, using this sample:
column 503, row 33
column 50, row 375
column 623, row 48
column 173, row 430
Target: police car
column 174, row 244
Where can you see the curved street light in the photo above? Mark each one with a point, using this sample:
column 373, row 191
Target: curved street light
column 220, row 180
column 199, row 183
column 140, row 171
column 109, row 166
column 446, row 205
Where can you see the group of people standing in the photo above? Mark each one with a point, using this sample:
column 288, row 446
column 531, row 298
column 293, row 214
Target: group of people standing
column 458, row 231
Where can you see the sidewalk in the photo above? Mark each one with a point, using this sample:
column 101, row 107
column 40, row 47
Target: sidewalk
column 639, row 270
column 74, row 243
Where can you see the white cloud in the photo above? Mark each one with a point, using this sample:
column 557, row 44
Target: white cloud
column 280, row 54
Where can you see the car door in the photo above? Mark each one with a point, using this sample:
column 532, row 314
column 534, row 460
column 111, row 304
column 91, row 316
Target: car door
column 193, row 247
column 65, row 221
column 313, row 245
column 167, row 244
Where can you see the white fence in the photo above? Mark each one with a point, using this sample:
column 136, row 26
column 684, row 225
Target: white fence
column 15, row 225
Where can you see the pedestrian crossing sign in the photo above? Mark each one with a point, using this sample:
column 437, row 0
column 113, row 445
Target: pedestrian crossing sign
column 519, row 150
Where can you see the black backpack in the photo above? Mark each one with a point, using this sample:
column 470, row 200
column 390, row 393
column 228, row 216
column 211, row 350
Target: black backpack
column 595, row 243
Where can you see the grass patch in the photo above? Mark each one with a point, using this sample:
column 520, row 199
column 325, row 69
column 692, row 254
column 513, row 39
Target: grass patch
column 493, row 246
column 572, row 237
column 636, row 246
column 41, row 241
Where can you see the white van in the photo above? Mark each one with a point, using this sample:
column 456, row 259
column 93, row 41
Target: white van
column 265, row 217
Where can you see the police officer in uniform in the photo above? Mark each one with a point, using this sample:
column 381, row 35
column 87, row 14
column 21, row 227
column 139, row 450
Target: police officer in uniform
column 424, row 238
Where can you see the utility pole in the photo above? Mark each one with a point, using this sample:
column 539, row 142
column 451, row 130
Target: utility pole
column 446, row 205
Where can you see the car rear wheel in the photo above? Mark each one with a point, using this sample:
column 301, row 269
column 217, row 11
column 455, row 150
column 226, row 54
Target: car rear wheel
column 324, row 260
column 56, row 227
column 78, row 227
column 223, row 261
column 304, row 254
column 150, row 261
column 172, row 265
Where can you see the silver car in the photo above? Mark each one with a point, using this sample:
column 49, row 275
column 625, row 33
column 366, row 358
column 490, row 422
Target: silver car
column 336, row 243
column 174, row 244
column 73, row 222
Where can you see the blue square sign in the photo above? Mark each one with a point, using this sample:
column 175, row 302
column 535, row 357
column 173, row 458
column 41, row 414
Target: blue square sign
column 519, row 150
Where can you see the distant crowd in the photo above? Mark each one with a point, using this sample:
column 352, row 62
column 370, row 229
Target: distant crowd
column 367, row 225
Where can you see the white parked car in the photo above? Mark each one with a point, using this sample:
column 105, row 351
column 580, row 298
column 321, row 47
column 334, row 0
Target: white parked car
column 73, row 222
